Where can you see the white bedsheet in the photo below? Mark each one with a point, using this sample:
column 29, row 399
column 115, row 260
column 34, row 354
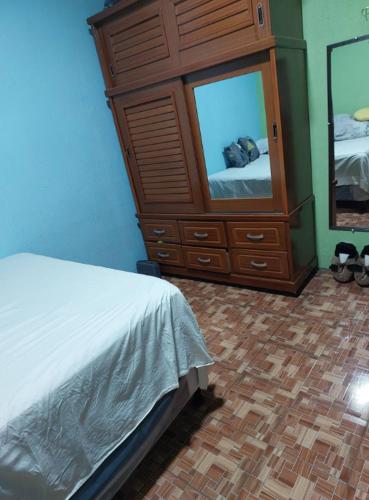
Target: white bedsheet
column 252, row 181
column 352, row 163
column 85, row 353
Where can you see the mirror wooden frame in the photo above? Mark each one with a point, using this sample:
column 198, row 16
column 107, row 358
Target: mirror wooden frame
column 222, row 72
column 332, row 177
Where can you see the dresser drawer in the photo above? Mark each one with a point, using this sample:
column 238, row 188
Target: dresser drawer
column 271, row 264
column 165, row 254
column 160, row 230
column 207, row 259
column 203, row 233
column 257, row 235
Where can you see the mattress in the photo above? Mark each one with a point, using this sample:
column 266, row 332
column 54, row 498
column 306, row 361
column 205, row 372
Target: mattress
column 351, row 193
column 252, row 181
column 352, row 163
column 112, row 474
column 85, row 354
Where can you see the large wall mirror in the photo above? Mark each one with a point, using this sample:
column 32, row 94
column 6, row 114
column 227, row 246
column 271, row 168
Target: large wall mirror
column 348, row 97
column 236, row 136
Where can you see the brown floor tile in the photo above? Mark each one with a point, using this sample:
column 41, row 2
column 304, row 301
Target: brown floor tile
column 337, row 311
column 233, row 352
column 211, row 462
column 286, row 413
column 245, row 320
column 264, row 302
column 350, row 218
column 221, row 382
column 333, row 382
column 280, row 364
column 307, row 335
column 352, row 351
column 253, row 406
column 321, row 434
column 323, row 284
column 238, row 296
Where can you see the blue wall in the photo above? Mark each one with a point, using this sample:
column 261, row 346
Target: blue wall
column 63, row 188
column 227, row 110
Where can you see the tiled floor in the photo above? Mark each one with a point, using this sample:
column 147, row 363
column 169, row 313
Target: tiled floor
column 287, row 411
column 352, row 219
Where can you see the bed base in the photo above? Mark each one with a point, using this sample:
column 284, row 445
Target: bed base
column 115, row 471
column 360, row 207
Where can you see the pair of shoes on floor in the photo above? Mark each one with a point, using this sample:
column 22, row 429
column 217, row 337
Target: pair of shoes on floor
column 347, row 264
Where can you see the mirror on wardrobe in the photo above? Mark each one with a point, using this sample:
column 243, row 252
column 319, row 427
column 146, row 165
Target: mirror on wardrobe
column 232, row 121
column 348, row 96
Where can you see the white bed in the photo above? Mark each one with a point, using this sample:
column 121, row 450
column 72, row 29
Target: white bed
column 352, row 166
column 252, row 181
column 85, row 353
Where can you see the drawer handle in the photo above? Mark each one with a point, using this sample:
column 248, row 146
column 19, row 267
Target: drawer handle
column 159, row 232
column 255, row 237
column 259, row 265
column 163, row 255
column 203, row 261
column 201, row 236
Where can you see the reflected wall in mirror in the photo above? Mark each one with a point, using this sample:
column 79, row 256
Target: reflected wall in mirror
column 232, row 120
column 348, row 72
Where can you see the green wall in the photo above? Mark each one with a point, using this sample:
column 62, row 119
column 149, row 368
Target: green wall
column 350, row 77
column 327, row 22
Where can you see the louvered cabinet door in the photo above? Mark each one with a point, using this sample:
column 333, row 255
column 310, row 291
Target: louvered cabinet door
column 158, row 148
column 209, row 27
column 136, row 45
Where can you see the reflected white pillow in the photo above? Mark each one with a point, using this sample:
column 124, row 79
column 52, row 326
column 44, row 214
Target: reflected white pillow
column 346, row 128
column 263, row 146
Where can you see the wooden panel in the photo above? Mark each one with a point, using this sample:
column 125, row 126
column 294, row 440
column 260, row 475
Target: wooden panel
column 206, row 233
column 163, row 230
column 141, row 42
column 267, row 283
column 302, row 236
column 290, row 68
column 158, row 145
column 267, row 264
column 271, row 10
column 136, row 44
column 201, row 21
column 165, row 254
column 209, row 259
column 257, row 235
column 205, row 27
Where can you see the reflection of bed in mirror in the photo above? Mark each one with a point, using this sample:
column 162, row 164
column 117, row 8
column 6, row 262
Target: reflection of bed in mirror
column 234, row 137
column 352, row 169
column 349, row 132
column 252, row 181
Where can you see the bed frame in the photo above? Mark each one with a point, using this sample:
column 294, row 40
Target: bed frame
column 118, row 467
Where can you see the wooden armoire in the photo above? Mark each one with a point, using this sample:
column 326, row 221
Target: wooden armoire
column 154, row 54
